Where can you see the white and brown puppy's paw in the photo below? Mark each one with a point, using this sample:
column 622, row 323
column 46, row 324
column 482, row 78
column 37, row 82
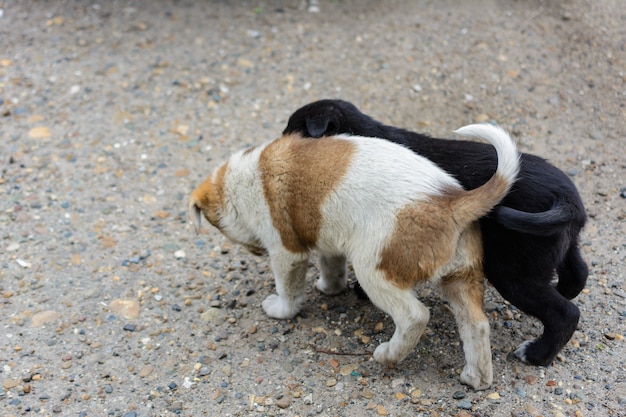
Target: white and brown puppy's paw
column 384, row 354
column 330, row 287
column 279, row 308
column 477, row 379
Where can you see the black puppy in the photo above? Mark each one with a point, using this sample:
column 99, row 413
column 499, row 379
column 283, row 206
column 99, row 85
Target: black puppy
column 530, row 235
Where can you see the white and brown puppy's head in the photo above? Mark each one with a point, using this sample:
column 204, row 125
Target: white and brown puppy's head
column 211, row 200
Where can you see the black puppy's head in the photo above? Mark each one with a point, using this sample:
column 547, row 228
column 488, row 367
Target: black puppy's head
column 331, row 117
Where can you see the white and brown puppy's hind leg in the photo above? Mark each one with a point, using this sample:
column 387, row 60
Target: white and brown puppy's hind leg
column 332, row 280
column 289, row 274
column 409, row 315
column 464, row 291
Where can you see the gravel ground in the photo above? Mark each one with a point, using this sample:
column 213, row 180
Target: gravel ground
column 112, row 112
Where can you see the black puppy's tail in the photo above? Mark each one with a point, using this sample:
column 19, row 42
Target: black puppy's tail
column 544, row 223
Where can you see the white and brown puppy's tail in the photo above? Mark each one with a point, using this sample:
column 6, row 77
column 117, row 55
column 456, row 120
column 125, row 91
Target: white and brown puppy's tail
column 475, row 203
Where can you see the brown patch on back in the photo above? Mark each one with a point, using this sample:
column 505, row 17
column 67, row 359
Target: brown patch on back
column 209, row 196
column 298, row 175
column 424, row 239
column 426, row 233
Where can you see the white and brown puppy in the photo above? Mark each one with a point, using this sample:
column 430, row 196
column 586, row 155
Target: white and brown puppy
column 395, row 215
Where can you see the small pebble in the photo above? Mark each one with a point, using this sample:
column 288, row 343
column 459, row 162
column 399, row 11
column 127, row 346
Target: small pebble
column 531, row 379
column 458, row 395
column 284, row 402
column 8, row 384
column 397, row 382
column 128, row 309
column 176, row 406
column 129, row 327
column 493, row 396
column 531, row 409
column 44, row 317
column 464, row 404
column 24, row 264
column 146, row 371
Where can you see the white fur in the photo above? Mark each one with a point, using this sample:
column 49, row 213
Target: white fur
column 508, row 157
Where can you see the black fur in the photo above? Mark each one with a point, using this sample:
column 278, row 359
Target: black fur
column 531, row 235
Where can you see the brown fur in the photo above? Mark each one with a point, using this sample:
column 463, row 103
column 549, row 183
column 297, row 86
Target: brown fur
column 422, row 228
column 295, row 193
column 209, row 196
column 467, row 287
column 431, row 229
column 478, row 200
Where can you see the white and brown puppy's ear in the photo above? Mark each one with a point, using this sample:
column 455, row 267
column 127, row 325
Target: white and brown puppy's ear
column 208, row 199
column 195, row 214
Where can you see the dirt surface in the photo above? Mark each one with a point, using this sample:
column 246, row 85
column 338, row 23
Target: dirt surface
column 112, row 112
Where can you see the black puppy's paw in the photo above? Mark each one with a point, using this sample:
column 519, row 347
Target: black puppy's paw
column 532, row 352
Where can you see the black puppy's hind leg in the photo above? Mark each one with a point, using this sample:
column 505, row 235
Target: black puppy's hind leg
column 573, row 272
column 558, row 315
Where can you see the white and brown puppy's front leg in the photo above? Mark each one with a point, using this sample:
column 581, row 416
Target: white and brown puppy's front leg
column 333, row 278
column 464, row 291
column 289, row 274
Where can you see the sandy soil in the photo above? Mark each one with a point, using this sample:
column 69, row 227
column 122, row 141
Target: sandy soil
column 112, row 112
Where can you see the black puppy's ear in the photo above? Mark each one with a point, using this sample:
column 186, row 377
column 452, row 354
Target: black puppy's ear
column 319, row 125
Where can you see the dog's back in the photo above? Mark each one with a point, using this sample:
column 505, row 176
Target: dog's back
column 337, row 192
column 348, row 185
